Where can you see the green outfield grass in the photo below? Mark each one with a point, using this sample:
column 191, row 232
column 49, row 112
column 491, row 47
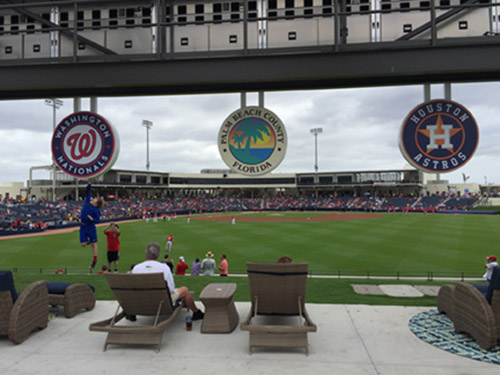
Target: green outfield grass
column 394, row 242
column 413, row 243
column 318, row 290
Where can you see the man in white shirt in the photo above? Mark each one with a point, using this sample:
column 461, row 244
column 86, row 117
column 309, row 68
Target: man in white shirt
column 151, row 265
column 491, row 263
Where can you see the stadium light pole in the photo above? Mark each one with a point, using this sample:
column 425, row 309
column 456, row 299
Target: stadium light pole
column 315, row 132
column 55, row 104
column 148, row 125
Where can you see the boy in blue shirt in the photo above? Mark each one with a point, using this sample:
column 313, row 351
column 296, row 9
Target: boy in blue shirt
column 89, row 217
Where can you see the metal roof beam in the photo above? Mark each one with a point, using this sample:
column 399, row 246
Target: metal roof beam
column 388, row 64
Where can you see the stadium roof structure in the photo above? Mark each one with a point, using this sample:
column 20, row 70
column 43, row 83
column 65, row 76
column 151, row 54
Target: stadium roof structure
column 408, row 59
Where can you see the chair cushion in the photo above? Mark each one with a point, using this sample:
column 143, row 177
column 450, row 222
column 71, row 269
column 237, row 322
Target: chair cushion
column 7, row 284
column 56, row 287
column 483, row 289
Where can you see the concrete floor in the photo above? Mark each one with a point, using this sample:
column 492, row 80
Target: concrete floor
column 351, row 339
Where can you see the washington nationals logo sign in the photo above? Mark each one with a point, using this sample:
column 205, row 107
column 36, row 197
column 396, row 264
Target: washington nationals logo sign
column 252, row 141
column 85, row 145
column 439, row 136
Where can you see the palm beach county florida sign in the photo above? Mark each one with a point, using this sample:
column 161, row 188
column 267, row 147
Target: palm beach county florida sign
column 252, row 141
column 439, row 136
column 85, row 145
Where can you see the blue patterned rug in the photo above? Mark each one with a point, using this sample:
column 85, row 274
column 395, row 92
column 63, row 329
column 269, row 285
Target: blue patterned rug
column 437, row 329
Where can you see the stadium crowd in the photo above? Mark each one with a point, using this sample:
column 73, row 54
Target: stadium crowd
column 25, row 216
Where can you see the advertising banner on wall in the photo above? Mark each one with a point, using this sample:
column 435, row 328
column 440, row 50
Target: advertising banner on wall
column 85, row 145
column 439, row 136
column 252, row 141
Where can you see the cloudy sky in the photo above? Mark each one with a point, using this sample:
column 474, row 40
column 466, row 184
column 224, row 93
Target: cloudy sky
column 360, row 130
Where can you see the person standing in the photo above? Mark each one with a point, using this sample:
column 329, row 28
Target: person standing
column 89, row 217
column 208, row 264
column 170, row 241
column 151, row 265
column 181, row 267
column 112, row 233
column 233, row 220
column 169, row 263
column 223, row 266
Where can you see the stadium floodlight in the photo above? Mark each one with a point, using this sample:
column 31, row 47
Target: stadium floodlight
column 315, row 132
column 148, row 125
column 55, row 104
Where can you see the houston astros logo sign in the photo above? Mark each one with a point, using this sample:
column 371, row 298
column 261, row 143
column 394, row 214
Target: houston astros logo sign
column 85, row 145
column 252, row 141
column 439, row 136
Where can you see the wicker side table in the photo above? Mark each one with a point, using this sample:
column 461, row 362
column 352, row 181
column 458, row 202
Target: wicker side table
column 220, row 313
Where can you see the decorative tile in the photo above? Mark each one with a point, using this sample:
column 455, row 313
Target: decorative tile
column 437, row 329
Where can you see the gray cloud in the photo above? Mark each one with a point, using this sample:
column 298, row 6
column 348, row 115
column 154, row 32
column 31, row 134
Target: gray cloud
column 360, row 129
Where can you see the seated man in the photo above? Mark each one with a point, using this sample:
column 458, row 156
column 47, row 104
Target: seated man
column 494, row 284
column 151, row 265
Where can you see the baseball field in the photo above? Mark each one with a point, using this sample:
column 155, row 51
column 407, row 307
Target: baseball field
column 362, row 245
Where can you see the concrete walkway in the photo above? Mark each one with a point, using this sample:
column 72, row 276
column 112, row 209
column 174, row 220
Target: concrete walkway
column 351, row 340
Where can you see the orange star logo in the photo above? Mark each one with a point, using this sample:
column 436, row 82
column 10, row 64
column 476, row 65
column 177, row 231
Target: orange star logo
column 440, row 131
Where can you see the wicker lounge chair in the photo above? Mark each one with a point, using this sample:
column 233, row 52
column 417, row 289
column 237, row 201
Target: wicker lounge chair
column 138, row 294
column 478, row 314
column 278, row 289
column 23, row 313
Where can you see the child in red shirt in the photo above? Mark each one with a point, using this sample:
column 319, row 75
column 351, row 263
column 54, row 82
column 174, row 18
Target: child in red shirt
column 112, row 233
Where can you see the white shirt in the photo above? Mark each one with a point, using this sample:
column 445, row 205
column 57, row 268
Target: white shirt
column 489, row 270
column 152, row 266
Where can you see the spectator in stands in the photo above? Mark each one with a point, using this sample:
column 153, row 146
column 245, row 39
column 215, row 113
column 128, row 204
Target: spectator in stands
column 104, row 269
column 195, row 267
column 151, row 265
column 208, row 264
column 181, row 267
column 284, row 259
column 223, row 266
column 491, row 263
column 169, row 262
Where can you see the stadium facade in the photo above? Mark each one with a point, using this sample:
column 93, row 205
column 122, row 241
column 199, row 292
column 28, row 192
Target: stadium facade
column 149, row 184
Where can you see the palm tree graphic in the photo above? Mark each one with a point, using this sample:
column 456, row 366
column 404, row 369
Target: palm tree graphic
column 252, row 131
column 238, row 139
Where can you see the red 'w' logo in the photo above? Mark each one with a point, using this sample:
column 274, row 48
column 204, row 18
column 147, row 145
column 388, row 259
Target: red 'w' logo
column 82, row 145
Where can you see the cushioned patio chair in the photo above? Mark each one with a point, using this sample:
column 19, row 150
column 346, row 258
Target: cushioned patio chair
column 138, row 294
column 21, row 313
column 72, row 297
column 278, row 289
column 478, row 314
